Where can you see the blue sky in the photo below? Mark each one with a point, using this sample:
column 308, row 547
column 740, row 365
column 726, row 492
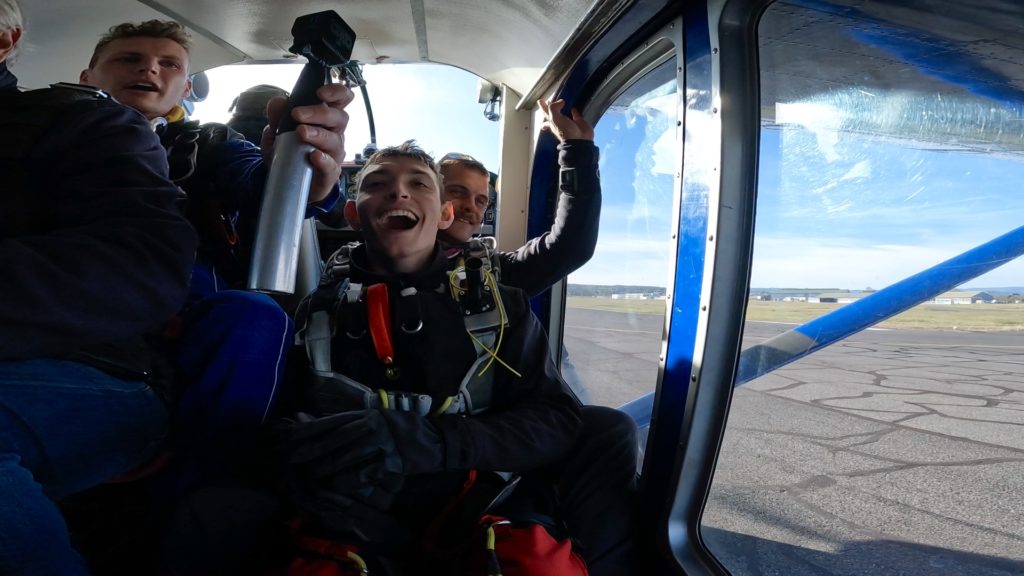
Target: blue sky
column 865, row 210
column 839, row 204
column 638, row 160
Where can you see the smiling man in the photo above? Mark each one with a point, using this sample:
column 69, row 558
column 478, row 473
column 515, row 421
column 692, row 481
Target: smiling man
column 372, row 467
column 596, row 482
column 397, row 211
column 95, row 258
column 467, row 185
column 570, row 242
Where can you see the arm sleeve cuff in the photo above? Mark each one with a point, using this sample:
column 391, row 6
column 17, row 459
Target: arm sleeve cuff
column 318, row 209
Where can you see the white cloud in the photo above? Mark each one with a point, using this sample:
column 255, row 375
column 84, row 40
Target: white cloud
column 824, row 120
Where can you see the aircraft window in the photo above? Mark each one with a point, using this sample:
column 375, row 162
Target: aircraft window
column 615, row 310
column 432, row 103
column 890, row 142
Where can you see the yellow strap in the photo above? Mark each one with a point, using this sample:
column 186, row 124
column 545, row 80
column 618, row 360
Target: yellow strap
column 490, row 537
column 445, row 406
column 177, row 113
column 359, row 562
column 494, row 356
column 490, row 548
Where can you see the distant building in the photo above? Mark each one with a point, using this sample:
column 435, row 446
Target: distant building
column 841, row 297
column 788, row 294
column 963, row 298
column 631, row 296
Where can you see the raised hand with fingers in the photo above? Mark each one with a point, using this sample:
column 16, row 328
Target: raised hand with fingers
column 564, row 127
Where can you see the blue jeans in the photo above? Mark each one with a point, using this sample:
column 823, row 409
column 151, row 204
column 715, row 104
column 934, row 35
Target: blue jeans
column 64, row 427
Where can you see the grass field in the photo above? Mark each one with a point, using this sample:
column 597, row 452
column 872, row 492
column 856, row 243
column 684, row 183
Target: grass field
column 983, row 317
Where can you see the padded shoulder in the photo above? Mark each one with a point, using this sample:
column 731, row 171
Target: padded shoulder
column 56, row 97
column 215, row 133
column 25, row 116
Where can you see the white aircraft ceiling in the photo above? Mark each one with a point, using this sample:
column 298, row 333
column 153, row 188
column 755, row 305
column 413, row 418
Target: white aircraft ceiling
column 502, row 41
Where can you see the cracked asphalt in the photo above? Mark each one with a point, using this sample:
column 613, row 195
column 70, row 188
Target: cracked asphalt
column 891, row 452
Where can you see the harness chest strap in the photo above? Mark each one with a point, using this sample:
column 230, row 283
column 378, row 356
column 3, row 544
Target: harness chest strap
column 476, row 389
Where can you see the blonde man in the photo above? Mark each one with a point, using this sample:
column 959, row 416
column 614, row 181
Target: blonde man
column 95, row 256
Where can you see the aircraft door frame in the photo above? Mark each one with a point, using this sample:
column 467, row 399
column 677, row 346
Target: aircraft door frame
column 715, row 187
column 721, row 61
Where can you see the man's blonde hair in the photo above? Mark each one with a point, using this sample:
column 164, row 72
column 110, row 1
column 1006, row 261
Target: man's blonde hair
column 149, row 29
column 407, row 149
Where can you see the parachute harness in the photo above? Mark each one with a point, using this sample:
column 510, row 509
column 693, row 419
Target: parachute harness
column 473, row 285
column 457, row 291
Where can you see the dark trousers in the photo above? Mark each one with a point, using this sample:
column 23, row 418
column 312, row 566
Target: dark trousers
column 597, row 491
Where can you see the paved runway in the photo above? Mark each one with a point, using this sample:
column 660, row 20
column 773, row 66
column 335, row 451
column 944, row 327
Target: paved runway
column 892, row 452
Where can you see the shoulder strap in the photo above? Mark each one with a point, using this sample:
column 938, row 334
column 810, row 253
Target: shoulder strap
column 181, row 140
column 485, row 318
column 185, row 142
column 313, row 317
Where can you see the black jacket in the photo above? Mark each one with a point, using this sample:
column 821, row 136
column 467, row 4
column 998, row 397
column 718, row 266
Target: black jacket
column 570, row 242
column 93, row 247
column 533, row 419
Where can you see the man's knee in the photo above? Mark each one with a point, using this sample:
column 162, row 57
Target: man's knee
column 238, row 308
column 608, row 422
column 74, row 426
column 234, row 323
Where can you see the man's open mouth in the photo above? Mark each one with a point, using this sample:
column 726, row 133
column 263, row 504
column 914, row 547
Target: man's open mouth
column 399, row 220
column 143, row 87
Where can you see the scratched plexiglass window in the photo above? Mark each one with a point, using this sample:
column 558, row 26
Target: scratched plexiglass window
column 616, row 303
column 877, row 424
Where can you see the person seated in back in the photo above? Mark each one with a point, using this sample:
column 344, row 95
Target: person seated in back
column 596, row 485
column 96, row 257
column 232, row 346
column 570, row 242
column 250, row 111
column 414, row 383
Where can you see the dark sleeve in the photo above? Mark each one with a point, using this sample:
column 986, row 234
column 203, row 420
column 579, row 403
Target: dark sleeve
column 235, row 171
column 115, row 258
column 534, row 419
column 570, row 243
